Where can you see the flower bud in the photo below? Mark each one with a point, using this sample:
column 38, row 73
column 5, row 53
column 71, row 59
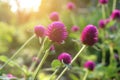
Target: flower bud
column 115, row 14
column 75, row 28
column 103, row 1
column 54, row 16
column 39, row 31
column 90, row 65
column 70, row 6
column 65, row 57
column 89, row 35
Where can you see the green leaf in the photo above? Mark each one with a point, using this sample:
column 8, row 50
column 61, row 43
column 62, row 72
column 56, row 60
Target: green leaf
column 111, row 23
column 5, row 59
column 55, row 64
column 73, row 77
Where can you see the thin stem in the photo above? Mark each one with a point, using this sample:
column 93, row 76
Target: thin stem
column 39, row 53
column 78, row 54
column 22, row 70
column 103, row 11
column 114, row 4
column 108, row 10
column 40, row 65
column 111, row 52
column 84, row 78
column 103, row 53
column 54, row 73
column 71, row 62
column 16, row 53
column 73, row 19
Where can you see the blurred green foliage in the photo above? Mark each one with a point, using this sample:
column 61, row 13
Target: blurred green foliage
column 6, row 33
column 16, row 28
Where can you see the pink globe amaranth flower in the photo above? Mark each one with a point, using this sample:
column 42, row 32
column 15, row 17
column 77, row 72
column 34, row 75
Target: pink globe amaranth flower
column 75, row 29
column 10, row 76
column 90, row 65
column 57, row 32
column 52, row 48
column 103, row 1
column 65, row 57
column 54, row 16
column 35, row 59
column 39, row 31
column 102, row 23
column 70, row 6
column 115, row 14
column 89, row 35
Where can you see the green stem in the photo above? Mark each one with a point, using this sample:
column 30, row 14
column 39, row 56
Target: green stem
column 84, row 78
column 22, row 70
column 73, row 19
column 103, row 52
column 111, row 52
column 103, row 11
column 114, row 4
column 39, row 53
column 54, row 73
column 108, row 10
column 71, row 62
column 40, row 65
column 16, row 53
column 78, row 54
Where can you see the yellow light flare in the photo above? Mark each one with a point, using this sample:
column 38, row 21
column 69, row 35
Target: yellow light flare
column 25, row 5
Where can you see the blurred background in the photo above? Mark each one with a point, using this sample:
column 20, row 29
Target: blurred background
column 18, row 18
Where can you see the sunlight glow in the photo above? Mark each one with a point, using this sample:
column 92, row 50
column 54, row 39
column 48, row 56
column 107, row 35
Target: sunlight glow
column 25, row 5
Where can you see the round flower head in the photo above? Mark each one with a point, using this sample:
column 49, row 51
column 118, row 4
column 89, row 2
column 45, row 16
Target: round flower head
column 54, row 16
column 39, row 31
column 103, row 1
column 10, row 76
column 90, row 65
column 115, row 14
column 57, row 32
column 65, row 57
column 102, row 23
column 74, row 28
column 89, row 35
column 35, row 59
column 70, row 6
column 52, row 48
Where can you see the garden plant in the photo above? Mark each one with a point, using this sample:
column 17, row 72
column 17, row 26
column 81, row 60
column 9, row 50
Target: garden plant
column 67, row 45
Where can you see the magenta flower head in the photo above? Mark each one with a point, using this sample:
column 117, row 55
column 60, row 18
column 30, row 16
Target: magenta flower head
column 115, row 14
column 70, row 6
column 35, row 59
column 10, row 76
column 75, row 29
column 65, row 57
column 103, row 23
column 103, row 1
column 39, row 31
column 57, row 32
column 52, row 48
column 54, row 16
column 89, row 35
column 90, row 65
